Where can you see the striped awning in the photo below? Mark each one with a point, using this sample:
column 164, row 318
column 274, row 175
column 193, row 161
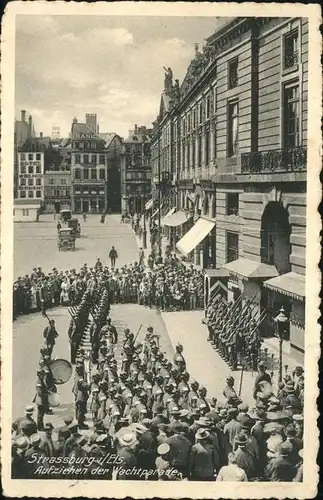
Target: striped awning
column 149, row 205
column 246, row 268
column 290, row 284
column 195, row 235
column 156, row 212
column 170, row 212
column 176, row 219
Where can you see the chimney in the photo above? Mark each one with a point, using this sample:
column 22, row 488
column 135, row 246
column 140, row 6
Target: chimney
column 41, row 135
column 23, row 115
column 30, row 125
column 196, row 47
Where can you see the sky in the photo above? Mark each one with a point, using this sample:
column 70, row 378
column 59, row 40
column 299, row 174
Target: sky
column 67, row 66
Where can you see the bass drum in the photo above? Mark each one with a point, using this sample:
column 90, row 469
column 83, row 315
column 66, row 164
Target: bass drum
column 53, row 399
column 61, row 370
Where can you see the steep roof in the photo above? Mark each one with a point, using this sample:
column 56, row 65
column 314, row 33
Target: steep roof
column 107, row 137
column 82, row 128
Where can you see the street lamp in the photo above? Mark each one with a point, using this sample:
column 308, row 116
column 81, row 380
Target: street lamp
column 281, row 321
column 144, row 233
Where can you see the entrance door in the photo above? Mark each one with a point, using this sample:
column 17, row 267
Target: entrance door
column 85, row 206
column 57, row 206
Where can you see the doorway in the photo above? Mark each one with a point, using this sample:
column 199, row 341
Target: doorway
column 85, row 206
column 57, row 207
column 275, row 237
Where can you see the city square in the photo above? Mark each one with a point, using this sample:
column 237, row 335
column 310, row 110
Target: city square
column 159, row 300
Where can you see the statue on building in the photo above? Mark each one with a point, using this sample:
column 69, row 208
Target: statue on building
column 168, row 81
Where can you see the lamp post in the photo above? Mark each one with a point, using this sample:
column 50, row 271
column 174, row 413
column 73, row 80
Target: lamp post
column 144, row 232
column 281, row 321
column 159, row 203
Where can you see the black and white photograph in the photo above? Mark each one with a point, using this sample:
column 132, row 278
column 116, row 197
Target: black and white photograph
column 163, row 322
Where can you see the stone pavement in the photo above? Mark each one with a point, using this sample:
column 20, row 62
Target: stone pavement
column 35, row 244
column 205, row 364
column 27, row 340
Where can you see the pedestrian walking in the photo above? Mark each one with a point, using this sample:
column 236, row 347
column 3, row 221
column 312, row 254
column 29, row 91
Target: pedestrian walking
column 113, row 255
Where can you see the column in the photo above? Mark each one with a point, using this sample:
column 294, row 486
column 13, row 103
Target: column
column 97, row 204
column 82, row 206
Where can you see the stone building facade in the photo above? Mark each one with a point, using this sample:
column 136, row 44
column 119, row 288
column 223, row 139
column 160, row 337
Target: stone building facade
column 57, row 190
column 239, row 159
column 136, row 170
column 88, row 170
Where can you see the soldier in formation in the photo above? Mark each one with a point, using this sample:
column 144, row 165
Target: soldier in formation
column 234, row 330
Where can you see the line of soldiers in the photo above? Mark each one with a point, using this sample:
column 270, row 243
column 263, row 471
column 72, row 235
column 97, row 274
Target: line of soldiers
column 147, row 411
column 234, row 330
column 79, row 322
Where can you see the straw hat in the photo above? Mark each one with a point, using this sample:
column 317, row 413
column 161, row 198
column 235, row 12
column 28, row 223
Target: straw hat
column 202, row 434
column 128, row 439
column 163, row 449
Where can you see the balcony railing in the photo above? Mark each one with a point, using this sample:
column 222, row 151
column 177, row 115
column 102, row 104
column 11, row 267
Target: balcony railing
column 291, row 60
column 276, row 160
column 89, row 181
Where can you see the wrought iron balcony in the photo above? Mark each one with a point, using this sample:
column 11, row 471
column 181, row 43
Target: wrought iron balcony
column 291, row 60
column 275, row 160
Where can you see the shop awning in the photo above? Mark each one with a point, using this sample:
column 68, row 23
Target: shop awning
column 217, row 273
column 156, row 211
column 291, row 284
column 176, row 219
column 149, row 205
column 170, row 212
column 195, row 235
column 246, row 268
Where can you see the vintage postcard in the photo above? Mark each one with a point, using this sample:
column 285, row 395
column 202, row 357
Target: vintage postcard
column 160, row 249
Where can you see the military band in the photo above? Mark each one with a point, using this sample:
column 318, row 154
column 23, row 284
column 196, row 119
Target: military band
column 131, row 401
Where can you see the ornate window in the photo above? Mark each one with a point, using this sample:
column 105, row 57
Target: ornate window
column 291, row 116
column 291, row 57
column 232, row 246
column 233, row 115
column 233, row 73
column 232, row 204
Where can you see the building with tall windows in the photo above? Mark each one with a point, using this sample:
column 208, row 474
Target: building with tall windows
column 88, row 170
column 136, row 170
column 240, row 163
column 31, row 175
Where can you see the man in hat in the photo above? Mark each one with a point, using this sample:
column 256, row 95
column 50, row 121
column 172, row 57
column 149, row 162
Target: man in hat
column 203, row 461
column 26, row 420
column 47, row 444
column 178, row 358
column 20, row 468
column 230, row 394
column 244, row 459
column 126, row 449
column 280, row 467
column 35, row 451
column 50, row 335
column 71, row 442
column 180, row 448
column 113, row 255
column 262, row 376
column 232, row 427
column 162, row 461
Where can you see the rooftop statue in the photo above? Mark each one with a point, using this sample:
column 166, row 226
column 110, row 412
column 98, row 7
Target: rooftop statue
column 168, row 81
